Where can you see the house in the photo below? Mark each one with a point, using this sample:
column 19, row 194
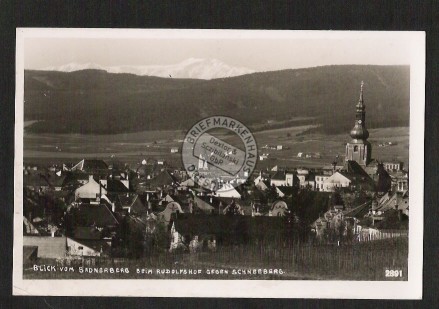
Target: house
column 262, row 185
column 259, row 178
column 167, row 199
column 357, row 212
column 91, row 190
column 164, row 179
column 233, row 208
column 279, row 147
column 279, row 209
column 171, row 208
column 278, row 179
column 229, row 191
column 306, row 178
column 352, row 175
column 174, row 150
column 393, row 166
column 383, row 180
column 112, row 185
column 331, row 220
column 400, row 180
column 86, row 247
column 99, row 216
column 88, row 241
column 283, row 178
column 48, row 246
column 132, row 204
column 87, row 232
column 337, row 180
column 204, row 205
column 319, row 180
column 284, row 191
column 73, row 178
column 393, row 200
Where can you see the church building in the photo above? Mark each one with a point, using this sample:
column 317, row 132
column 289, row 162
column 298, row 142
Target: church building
column 359, row 151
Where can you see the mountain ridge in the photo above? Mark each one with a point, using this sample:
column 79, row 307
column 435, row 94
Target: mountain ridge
column 93, row 101
column 192, row 68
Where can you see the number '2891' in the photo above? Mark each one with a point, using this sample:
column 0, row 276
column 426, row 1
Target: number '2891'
column 393, row 273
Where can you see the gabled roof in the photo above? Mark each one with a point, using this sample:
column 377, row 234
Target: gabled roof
column 82, row 232
column 288, row 191
column 96, row 215
column 72, row 177
column 114, row 185
column 262, row 186
column 98, row 245
column 133, row 202
column 352, row 168
column 391, row 200
column 203, row 205
column 279, row 175
column 359, row 211
column 171, row 208
column 94, row 165
column 163, row 179
column 90, row 165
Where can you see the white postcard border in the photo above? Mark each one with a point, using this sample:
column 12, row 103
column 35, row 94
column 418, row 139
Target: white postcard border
column 411, row 289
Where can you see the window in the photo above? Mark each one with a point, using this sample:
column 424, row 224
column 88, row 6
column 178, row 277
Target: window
column 355, row 148
column 80, row 247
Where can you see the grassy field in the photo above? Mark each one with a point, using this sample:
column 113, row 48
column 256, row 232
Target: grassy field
column 360, row 261
column 133, row 147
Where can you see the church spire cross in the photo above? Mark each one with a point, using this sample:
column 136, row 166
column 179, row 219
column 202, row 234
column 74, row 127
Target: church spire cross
column 361, row 92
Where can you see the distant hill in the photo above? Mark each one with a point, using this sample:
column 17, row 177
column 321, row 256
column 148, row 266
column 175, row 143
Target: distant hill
column 190, row 68
column 95, row 101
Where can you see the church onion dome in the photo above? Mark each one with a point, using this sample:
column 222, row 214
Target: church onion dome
column 359, row 132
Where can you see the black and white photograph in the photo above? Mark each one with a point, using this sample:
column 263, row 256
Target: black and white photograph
column 219, row 163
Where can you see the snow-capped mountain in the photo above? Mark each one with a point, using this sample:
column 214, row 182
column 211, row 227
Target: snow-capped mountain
column 190, row 68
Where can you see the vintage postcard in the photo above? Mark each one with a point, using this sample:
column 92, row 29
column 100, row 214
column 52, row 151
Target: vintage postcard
column 219, row 163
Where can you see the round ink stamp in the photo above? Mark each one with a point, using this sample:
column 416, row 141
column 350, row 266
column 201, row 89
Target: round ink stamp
column 219, row 153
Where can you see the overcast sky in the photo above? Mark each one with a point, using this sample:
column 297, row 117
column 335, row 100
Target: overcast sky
column 263, row 53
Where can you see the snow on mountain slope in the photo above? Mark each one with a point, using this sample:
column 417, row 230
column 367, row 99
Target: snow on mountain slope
column 190, row 68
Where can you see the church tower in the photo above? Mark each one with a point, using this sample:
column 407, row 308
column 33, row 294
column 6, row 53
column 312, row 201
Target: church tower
column 359, row 149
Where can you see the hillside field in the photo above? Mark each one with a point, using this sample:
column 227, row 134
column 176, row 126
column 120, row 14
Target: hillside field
column 134, row 147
